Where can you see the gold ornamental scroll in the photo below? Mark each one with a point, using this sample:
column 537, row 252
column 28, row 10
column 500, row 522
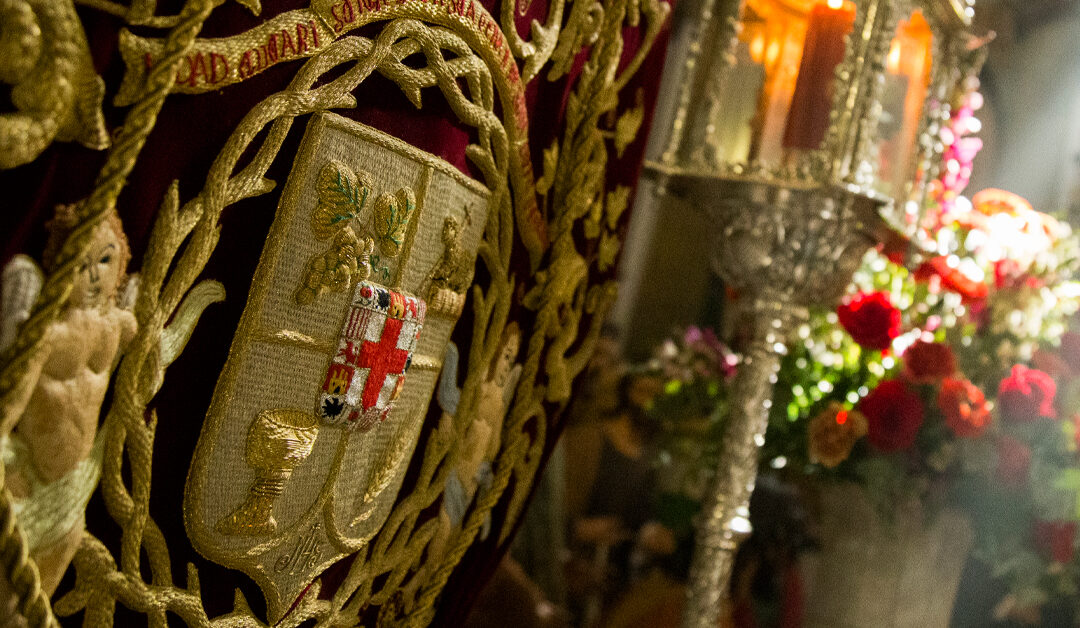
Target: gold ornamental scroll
column 216, row 63
column 279, row 488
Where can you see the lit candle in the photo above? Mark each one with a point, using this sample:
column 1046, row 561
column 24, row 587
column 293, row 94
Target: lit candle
column 827, row 26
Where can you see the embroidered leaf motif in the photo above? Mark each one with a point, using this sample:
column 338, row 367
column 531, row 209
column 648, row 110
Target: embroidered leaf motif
column 617, row 201
column 390, row 220
column 551, row 160
column 342, row 195
column 609, row 250
column 628, row 125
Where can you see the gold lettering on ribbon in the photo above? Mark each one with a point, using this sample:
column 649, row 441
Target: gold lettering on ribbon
column 214, row 63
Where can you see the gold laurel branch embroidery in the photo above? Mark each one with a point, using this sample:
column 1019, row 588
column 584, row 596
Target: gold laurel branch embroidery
column 545, row 37
column 144, row 12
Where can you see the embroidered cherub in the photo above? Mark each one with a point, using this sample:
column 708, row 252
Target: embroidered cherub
column 483, row 436
column 481, row 440
column 52, row 454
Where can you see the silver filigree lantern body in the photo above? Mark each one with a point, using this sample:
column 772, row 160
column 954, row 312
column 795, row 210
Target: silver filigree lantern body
column 807, row 129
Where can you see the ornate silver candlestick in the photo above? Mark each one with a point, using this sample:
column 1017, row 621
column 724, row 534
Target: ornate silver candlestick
column 782, row 250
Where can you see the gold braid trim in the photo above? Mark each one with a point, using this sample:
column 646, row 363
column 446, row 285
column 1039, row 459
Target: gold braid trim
column 21, row 571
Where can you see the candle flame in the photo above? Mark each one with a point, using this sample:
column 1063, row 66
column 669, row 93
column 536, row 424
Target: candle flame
column 757, row 48
column 835, row 5
column 772, row 53
column 893, row 63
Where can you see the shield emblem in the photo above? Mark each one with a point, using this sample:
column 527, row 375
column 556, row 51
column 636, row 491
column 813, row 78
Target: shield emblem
column 375, row 350
column 320, row 403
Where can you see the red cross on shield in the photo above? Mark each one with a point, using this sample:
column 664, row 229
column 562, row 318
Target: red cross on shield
column 366, row 374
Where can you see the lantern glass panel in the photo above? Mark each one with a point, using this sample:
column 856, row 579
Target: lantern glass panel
column 907, row 79
column 779, row 92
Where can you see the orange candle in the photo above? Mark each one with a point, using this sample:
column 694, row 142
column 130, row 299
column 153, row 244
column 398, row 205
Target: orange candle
column 823, row 50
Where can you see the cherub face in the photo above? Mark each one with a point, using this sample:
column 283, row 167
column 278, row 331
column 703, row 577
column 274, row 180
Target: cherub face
column 98, row 273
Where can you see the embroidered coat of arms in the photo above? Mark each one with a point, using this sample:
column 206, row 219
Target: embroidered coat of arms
column 320, row 404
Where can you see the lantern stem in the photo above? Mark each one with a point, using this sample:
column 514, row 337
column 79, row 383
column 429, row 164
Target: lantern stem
column 725, row 518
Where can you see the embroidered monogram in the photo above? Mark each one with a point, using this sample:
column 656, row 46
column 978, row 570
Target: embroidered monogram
column 326, row 386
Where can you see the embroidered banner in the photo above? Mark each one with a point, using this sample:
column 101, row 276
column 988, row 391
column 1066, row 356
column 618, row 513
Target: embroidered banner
column 215, row 63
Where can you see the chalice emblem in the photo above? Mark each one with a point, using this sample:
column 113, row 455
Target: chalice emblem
column 278, row 441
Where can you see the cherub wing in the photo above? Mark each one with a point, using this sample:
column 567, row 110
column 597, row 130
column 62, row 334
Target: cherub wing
column 20, row 285
column 449, row 394
column 342, row 195
column 130, row 293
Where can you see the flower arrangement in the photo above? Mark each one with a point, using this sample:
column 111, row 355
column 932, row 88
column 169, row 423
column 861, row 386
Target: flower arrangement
column 954, row 384
column 953, row 381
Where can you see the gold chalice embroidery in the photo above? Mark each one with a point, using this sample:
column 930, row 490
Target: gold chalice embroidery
column 278, row 441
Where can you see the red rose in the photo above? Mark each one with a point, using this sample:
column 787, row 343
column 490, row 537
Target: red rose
column 1014, row 460
column 1056, row 540
column 1026, row 394
column 871, row 319
column 928, row 362
column 1070, row 351
column 894, row 415
column 952, row 279
column 964, row 407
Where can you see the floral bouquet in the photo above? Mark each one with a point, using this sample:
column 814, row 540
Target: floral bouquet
column 955, row 384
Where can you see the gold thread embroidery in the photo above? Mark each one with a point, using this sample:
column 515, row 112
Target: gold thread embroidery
column 278, row 441
column 452, row 274
column 482, row 37
column 403, row 539
column 55, row 92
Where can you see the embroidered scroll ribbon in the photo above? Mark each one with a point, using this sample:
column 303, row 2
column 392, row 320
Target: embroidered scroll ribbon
column 216, row 63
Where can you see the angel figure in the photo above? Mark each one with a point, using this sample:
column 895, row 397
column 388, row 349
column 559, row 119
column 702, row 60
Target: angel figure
column 51, row 449
column 49, row 436
column 483, row 436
